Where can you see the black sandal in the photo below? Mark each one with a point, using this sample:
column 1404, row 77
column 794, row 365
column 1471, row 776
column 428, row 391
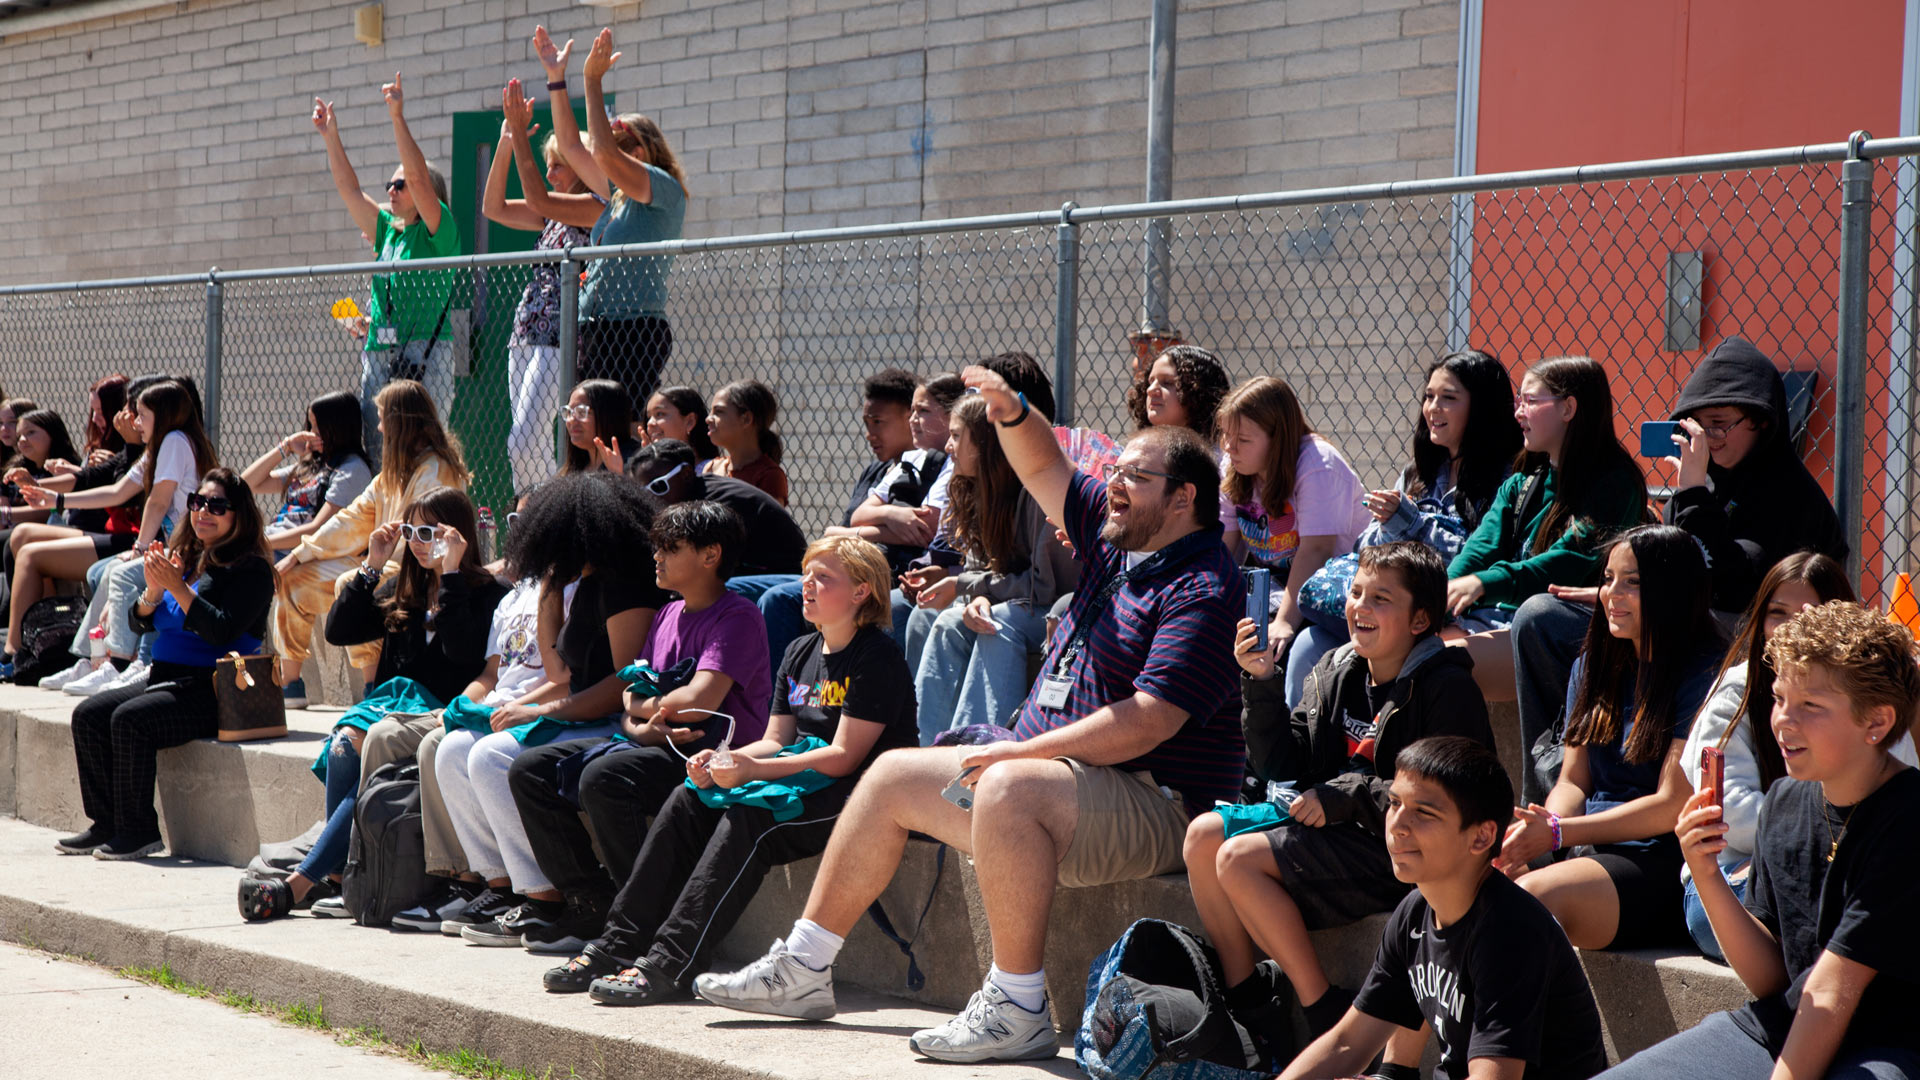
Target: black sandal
column 635, row 985
column 577, row 975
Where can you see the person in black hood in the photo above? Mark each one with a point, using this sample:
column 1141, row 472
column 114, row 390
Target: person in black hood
column 1743, row 491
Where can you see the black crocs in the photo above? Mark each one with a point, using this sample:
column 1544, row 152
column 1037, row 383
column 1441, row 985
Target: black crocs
column 577, row 975
column 270, row 898
column 636, row 985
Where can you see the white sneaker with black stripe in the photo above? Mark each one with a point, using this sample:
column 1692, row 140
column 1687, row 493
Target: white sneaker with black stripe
column 779, row 984
column 991, row 1028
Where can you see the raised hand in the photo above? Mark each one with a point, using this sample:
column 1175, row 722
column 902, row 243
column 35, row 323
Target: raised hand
column 391, row 92
column 554, row 60
column 323, row 121
column 1002, row 402
column 456, row 549
column 381, row 542
column 517, row 108
column 600, row 56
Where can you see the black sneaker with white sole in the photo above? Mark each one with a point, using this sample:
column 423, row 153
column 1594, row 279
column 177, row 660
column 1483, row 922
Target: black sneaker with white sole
column 488, row 905
column 427, row 916
column 81, row 843
column 584, row 920
column 122, row 849
column 510, row 929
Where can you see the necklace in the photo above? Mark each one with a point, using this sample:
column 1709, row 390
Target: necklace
column 1826, row 818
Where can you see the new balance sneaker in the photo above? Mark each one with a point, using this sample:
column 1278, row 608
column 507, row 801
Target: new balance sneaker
column 490, row 904
column 122, row 849
column 131, row 679
column 294, row 694
column 779, row 984
column 509, row 929
column 583, row 920
column 93, row 681
column 427, row 916
column 82, row 843
column 991, row 1028
column 82, row 666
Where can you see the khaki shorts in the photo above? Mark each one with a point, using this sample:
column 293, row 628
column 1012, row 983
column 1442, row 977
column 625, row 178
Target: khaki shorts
column 1128, row 829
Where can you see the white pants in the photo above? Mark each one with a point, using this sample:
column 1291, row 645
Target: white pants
column 537, row 388
column 472, row 769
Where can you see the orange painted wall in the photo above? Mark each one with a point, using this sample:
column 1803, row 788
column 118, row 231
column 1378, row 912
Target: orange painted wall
column 1583, row 271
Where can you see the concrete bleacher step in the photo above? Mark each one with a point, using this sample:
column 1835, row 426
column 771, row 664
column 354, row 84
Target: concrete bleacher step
column 220, row 801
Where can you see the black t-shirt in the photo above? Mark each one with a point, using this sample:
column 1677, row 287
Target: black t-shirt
column 1359, row 718
column 584, row 643
column 868, row 678
column 1855, row 907
column 774, row 543
column 1503, row 982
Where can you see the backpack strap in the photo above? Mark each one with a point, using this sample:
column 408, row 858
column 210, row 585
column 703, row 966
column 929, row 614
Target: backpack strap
column 915, row 979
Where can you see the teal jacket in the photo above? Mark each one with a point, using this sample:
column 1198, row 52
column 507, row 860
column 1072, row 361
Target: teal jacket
column 1500, row 549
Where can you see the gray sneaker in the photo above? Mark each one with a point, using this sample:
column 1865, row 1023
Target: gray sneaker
column 991, row 1028
column 778, row 984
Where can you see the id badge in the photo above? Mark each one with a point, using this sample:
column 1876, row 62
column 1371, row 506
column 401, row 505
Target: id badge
column 386, row 335
column 1053, row 692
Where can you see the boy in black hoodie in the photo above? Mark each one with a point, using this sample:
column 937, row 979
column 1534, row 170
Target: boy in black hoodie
column 1313, row 856
column 1742, row 492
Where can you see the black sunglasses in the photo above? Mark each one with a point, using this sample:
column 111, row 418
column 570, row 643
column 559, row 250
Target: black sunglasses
column 217, row 505
column 396, row 185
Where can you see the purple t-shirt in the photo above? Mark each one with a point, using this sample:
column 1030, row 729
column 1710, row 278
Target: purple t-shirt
column 729, row 637
column 1168, row 631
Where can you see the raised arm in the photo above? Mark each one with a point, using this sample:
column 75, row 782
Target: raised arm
column 366, row 212
column 565, row 128
column 623, row 170
column 426, row 201
column 1029, row 444
column 575, row 208
column 513, row 213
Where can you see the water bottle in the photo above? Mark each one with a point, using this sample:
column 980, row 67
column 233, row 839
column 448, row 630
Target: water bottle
column 486, row 535
column 97, row 643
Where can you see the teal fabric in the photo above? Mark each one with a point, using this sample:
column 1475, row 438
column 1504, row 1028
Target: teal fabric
column 1251, row 817
column 397, row 695
column 641, row 678
column 461, row 712
column 782, row 797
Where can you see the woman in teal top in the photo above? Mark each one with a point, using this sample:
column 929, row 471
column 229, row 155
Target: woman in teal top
column 1572, row 490
column 409, row 331
column 624, row 334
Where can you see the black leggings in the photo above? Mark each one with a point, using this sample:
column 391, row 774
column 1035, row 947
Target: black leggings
column 118, row 734
column 631, row 352
column 698, row 871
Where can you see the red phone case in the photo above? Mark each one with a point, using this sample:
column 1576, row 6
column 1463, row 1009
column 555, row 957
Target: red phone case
column 1713, row 772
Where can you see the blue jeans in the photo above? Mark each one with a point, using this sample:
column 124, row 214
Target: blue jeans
column 779, row 598
column 967, row 678
column 329, row 853
column 1697, row 924
column 1717, row 1048
column 1309, row 645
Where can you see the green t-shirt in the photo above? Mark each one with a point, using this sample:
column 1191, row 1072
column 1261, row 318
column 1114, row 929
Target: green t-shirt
column 637, row 287
column 414, row 306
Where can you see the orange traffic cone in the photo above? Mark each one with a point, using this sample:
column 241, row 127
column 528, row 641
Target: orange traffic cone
column 1905, row 608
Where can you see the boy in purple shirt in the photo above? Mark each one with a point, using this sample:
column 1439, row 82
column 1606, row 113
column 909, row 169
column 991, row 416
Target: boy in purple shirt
column 1138, row 690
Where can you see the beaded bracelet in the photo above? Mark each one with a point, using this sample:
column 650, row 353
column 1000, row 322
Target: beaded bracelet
column 1553, row 823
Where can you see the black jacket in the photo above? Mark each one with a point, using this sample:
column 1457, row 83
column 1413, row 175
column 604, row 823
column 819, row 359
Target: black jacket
column 1768, row 506
column 462, row 622
column 232, row 602
column 1434, row 695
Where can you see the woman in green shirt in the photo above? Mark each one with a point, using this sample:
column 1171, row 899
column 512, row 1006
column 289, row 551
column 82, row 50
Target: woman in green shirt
column 409, row 332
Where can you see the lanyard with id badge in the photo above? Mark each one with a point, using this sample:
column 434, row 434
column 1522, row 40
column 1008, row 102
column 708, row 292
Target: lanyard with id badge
column 1057, row 684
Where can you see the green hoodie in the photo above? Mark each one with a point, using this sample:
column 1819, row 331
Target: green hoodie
column 1510, row 576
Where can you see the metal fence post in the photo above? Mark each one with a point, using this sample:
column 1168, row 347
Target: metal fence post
column 1850, row 338
column 569, row 317
column 1066, row 312
column 210, row 381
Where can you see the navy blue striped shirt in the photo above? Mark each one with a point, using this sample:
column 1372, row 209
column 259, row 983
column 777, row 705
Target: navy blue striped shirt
column 1167, row 632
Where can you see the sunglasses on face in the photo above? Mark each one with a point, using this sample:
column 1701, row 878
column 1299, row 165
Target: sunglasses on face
column 660, row 485
column 396, row 185
column 418, row 534
column 217, row 505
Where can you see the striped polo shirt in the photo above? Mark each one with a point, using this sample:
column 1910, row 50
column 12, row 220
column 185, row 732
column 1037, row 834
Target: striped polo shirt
column 1167, row 632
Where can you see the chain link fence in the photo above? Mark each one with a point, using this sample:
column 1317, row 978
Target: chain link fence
column 1348, row 294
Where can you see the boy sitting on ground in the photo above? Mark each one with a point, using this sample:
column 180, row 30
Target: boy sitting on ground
column 1469, row 951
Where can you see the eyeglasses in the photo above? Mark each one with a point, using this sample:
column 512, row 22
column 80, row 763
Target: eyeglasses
column 659, row 485
column 419, row 534
column 1723, row 432
column 217, row 505
column 396, row 185
column 721, row 758
column 1132, row 474
column 576, row 412
column 1531, row 400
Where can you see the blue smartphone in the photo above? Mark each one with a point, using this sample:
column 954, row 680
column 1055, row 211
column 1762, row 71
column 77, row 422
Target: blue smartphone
column 1656, row 438
column 1259, row 598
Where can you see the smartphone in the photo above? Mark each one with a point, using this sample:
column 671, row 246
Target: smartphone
column 958, row 793
column 1656, row 438
column 1713, row 772
column 1259, row 598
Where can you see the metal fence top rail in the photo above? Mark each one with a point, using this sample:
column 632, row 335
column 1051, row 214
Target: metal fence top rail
column 1859, row 146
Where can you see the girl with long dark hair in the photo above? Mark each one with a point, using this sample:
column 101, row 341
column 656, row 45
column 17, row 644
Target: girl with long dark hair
column 1465, row 439
column 597, row 417
column 679, row 412
column 321, row 468
column 1182, row 387
column 740, row 423
column 1649, row 661
column 206, row 595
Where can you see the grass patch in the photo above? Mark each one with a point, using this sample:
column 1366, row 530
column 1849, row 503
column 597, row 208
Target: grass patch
column 463, row 1062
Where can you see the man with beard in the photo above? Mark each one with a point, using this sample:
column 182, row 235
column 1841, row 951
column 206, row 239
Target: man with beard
column 1137, row 691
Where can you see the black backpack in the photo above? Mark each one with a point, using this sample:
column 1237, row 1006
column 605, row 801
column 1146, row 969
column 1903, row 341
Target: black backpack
column 1156, row 1011
column 46, row 638
column 386, row 869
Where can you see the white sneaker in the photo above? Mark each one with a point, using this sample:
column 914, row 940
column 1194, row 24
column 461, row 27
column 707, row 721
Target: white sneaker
column 992, row 1028
column 777, row 983
column 93, row 681
column 131, row 679
column 83, row 666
